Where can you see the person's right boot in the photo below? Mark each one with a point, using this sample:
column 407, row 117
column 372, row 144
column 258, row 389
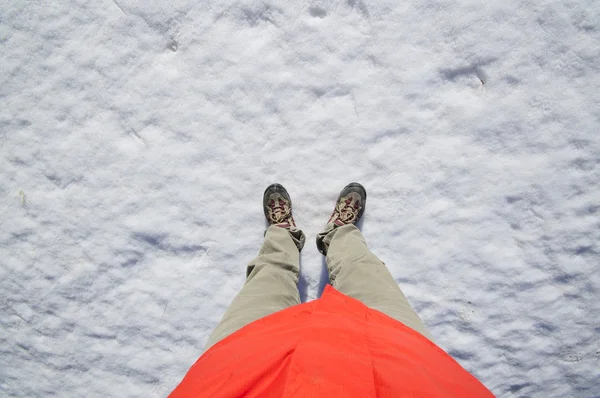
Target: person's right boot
column 349, row 208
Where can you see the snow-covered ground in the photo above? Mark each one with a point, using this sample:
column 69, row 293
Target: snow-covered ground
column 137, row 137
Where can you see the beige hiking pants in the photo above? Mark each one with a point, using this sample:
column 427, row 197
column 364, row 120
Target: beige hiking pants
column 271, row 285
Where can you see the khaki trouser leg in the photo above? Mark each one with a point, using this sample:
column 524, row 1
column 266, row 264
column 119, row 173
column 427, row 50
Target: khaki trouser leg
column 358, row 273
column 270, row 286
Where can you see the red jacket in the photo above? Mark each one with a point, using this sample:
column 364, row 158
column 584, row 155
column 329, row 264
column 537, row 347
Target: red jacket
column 331, row 347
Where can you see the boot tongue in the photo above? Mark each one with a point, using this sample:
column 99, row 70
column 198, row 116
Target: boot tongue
column 279, row 210
column 347, row 210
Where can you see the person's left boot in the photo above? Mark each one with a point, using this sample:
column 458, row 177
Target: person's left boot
column 277, row 206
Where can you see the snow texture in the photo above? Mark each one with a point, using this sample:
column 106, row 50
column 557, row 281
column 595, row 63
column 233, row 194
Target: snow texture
column 137, row 137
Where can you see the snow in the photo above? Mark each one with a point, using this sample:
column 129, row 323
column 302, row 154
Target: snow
column 137, row 137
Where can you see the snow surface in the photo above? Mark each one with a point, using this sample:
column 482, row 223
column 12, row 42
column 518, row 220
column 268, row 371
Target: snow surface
column 137, row 138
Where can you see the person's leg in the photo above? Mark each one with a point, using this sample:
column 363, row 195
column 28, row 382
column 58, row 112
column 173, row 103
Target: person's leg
column 354, row 270
column 270, row 286
column 358, row 273
column 271, row 278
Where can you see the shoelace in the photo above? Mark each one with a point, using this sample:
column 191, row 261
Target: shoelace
column 278, row 214
column 347, row 214
column 344, row 213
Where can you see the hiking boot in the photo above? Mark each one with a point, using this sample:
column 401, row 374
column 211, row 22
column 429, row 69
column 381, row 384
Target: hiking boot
column 277, row 206
column 349, row 208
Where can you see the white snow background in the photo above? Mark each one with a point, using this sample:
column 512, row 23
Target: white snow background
column 137, row 137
